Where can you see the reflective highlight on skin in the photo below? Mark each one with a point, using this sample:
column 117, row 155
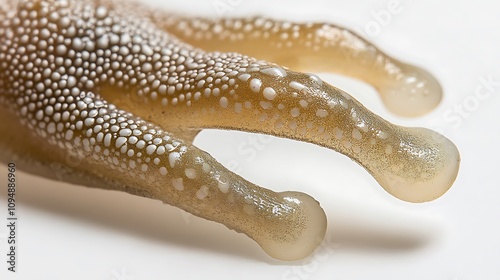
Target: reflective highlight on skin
column 108, row 86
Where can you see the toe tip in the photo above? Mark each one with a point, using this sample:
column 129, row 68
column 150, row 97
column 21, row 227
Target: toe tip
column 302, row 237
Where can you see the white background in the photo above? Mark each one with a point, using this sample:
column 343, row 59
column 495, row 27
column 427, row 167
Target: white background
column 72, row 232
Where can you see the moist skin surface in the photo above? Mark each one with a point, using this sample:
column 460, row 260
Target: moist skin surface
column 115, row 94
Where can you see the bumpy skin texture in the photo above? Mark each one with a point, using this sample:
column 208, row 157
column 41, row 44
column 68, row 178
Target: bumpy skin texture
column 106, row 93
column 406, row 90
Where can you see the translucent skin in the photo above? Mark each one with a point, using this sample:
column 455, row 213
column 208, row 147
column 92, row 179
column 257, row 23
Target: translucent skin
column 107, row 94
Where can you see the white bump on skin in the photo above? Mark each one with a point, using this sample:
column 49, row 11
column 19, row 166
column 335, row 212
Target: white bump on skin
column 190, row 173
column 255, row 85
column 337, row 132
column 223, row 102
column 263, row 117
column 202, row 192
column 101, row 12
column 356, row 149
column 345, row 95
column 133, row 140
column 51, row 128
column 173, row 158
column 303, row 103
column 297, row 86
column 216, row 92
column 244, row 77
column 382, row 135
column 151, row 149
column 238, row 107
column 347, row 144
column 178, row 184
column 265, row 105
column 107, row 140
column 269, row 93
column 295, row 112
column 388, row 149
column 276, row 72
column 321, row 113
column 125, row 132
column 61, row 50
column 316, row 79
column 356, row 134
column 140, row 144
column 344, row 104
column 363, row 126
column 279, row 124
column 206, row 167
column 332, row 104
column 120, row 142
column 69, row 135
column 223, row 186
